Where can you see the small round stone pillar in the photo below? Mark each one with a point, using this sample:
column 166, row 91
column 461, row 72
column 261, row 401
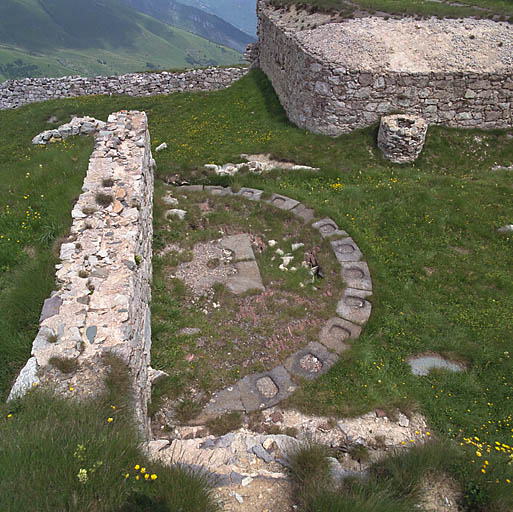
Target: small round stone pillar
column 401, row 137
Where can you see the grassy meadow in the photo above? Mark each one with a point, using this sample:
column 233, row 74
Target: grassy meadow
column 441, row 271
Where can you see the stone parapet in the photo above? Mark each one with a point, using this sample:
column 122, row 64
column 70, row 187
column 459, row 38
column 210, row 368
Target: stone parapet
column 15, row 93
column 337, row 77
column 101, row 306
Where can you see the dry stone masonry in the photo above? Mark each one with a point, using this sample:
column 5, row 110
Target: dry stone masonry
column 102, row 303
column 401, row 137
column 337, row 76
column 77, row 126
column 15, row 93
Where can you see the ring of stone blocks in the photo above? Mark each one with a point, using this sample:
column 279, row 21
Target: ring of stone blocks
column 263, row 390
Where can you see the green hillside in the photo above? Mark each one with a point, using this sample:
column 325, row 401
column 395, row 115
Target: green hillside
column 58, row 37
column 240, row 13
column 194, row 20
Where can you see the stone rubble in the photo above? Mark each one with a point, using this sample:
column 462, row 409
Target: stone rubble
column 15, row 93
column 77, row 126
column 101, row 305
column 256, row 164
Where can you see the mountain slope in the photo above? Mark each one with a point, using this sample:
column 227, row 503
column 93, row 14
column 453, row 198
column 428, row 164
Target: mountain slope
column 194, row 20
column 240, row 13
column 52, row 37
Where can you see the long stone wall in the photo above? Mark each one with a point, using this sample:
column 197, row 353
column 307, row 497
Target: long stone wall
column 101, row 306
column 15, row 93
column 337, row 77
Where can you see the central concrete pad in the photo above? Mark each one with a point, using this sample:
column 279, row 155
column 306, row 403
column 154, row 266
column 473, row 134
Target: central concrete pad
column 229, row 261
column 248, row 274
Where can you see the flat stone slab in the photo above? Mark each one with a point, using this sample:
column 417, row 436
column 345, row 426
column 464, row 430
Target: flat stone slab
column 327, row 228
column 303, row 212
column 240, row 245
column 356, row 275
column 346, row 250
column 311, row 361
column 247, row 278
column 282, row 202
column 218, row 190
column 422, row 365
column 51, row 308
column 252, row 194
column 253, row 399
column 27, row 379
column 354, row 306
column 335, row 333
column 190, row 188
column 225, row 400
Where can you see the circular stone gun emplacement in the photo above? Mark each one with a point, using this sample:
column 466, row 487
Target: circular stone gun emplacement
column 401, row 137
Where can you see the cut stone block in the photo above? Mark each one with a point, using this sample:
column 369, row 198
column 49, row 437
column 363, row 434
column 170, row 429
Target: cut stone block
column 190, row 188
column 247, row 278
column 357, row 275
column 354, row 306
column 346, row 250
column 218, row 190
column 304, row 213
column 282, row 202
column 224, row 401
column 240, row 245
column 336, row 331
column 250, row 193
column 328, row 227
column 310, row 362
column 254, row 400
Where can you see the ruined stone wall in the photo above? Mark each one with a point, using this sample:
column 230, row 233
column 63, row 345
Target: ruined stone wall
column 15, row 93
column 101, row 305
column 328, row 98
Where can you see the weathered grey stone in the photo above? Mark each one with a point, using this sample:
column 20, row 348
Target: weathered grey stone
column 335, row 333
column 328, row 228
column 247, row 278
column 51, row 308
column 240, row 245
column 216, row 190
column 190, row 188
column 282, row 202
column 357, row 275
column 354, row 306
column 253, row 400
column 262, row 453
column 294, row 364
column 250, row 193
column 422, row 365
column 346, row 250
column 226, row 400
column 303, row 212
column 26, row 380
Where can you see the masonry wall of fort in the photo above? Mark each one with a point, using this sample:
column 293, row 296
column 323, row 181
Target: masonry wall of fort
column 15, row 93
column 101, row 305
column 334, row 77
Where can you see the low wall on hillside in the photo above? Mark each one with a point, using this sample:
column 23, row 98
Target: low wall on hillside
column 15, row 93
column 337, row 76
column 101, row 306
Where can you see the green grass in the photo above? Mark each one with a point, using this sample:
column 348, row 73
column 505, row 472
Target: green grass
column 397, row 483
column 411, row 223
column 496, row 9
column 66, row 455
